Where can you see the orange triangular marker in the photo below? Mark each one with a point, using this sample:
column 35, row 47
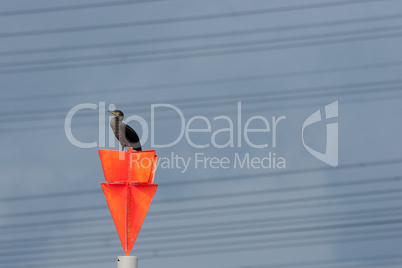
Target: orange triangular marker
column 128, row 204
column 121, row 166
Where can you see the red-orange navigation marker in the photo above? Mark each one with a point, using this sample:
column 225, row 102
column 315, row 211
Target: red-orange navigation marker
column 129, row 190
column 131, row 166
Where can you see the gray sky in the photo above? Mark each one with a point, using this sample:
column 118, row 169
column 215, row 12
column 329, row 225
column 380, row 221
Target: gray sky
column 286, row 58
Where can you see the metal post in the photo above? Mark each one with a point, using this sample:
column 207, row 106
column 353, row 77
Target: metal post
column 127, row 262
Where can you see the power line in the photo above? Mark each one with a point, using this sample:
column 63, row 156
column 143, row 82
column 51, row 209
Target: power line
column 199, row 36
column 181, row 50
column 273, row 203
column 72, row 7
column 193, row 102
column 196, row 210
column 259, row 234
column 231, row 178
column 328, row 262
column 251, row 210
column 245, row 211
column 383, row 264
column 216, row 227
column 81, row 247
column 184, row 230
column 282, row 173
column 256, row 109
column 198, row 54
column 280, row 190
column 188, row 199
column 307, row 103
column 235, row 212
column 76, row 248
column 196, row 251
column 204, row 82
column 210, row 112
column 245, row 246
column 49, row 195
column 55, row 211
column 175, row 248
column 271, row 107
column 272, row 96
column 185, row 18
column 258, row 100
column 146, row 238
column 365, row 260
column 253, row 230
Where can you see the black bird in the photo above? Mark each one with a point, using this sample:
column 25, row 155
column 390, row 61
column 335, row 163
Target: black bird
column 124, row 133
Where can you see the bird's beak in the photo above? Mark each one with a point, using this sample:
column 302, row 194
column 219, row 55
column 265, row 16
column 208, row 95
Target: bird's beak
column 112, row 112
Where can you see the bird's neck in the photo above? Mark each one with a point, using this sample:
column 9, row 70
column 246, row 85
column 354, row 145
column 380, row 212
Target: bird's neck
column 119, row 118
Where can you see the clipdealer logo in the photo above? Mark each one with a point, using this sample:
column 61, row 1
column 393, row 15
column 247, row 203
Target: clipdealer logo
column 330, row 156
column 229, row 133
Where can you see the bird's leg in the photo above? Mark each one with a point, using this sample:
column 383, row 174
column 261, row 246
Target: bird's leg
column 122, row 147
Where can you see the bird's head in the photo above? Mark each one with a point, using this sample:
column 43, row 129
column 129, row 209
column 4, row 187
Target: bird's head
column 117, row 113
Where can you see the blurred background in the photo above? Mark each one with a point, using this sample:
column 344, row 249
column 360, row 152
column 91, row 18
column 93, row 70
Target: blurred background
column 278, row 58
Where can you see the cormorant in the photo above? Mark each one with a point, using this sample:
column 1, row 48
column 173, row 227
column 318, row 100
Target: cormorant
column 124, row 133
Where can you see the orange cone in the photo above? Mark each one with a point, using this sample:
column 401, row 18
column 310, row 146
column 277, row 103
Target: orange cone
column 121, row 166
column 128, row 204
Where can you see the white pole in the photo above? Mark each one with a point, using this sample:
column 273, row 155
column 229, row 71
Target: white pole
column 127, row 262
